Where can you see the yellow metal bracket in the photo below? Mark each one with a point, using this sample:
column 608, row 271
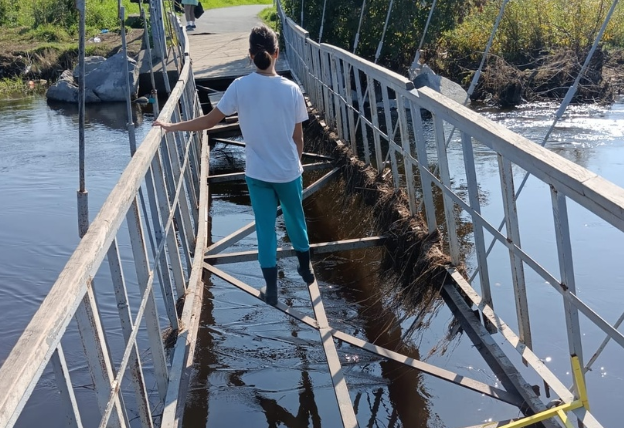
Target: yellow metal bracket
column 561, row 410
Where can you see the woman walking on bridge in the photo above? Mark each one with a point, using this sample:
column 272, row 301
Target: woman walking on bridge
column 271, row 110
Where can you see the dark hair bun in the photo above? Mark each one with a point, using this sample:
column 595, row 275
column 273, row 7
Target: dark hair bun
column 262, row 45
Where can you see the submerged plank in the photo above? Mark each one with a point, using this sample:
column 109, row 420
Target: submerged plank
column 225, row 56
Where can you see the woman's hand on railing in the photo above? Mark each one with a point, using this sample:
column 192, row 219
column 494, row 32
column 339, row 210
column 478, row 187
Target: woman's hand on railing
column 168, row 127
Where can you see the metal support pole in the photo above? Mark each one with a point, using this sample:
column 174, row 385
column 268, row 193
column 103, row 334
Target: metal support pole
column 566, row 267
column 322, row 21
column 357, row 35
column 383, row 34
column 513, row 236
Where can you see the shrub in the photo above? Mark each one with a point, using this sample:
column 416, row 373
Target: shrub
column 533, row 26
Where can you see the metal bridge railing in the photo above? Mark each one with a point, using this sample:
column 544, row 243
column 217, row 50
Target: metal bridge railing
column 379, row 114
column 161, row 201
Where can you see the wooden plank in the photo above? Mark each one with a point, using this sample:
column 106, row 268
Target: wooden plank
column 234, row 176
column 223, row 127
column 251, row 227
column 535, row 362
column 242, row 144
column 333, row 361
column 225, row 56
column 342, row 394
column 440, row 373
column 430, row 369
column 311, row 322
column 319, row 248
column 493, row 424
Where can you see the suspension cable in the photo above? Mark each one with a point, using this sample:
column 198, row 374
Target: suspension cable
column 357, row 34
column 475, row 80
column 416, row 63
column 383, row 34
column 153, row 99
column 322, row 21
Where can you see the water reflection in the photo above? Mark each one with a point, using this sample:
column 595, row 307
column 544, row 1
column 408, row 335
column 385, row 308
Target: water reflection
column 111, row 115
column 403, row 400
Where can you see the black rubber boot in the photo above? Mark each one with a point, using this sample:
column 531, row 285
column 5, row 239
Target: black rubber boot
column 268, row 293
column 305, row 267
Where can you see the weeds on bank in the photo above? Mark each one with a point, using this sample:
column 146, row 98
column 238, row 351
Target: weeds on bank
column 269, row 16
column 215, row 4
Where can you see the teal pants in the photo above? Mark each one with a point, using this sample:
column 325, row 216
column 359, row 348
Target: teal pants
column 265, row 197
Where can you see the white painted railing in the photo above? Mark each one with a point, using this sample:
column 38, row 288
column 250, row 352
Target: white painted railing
column 162, row 201
column 378, row 113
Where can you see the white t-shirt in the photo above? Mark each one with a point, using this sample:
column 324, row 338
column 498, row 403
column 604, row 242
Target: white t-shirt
column 268, row 108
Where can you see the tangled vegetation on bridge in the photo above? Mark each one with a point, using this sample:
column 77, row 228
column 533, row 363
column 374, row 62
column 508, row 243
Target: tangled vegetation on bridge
column 412, row 265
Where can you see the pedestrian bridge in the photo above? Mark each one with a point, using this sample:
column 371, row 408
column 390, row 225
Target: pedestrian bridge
column 399, row 135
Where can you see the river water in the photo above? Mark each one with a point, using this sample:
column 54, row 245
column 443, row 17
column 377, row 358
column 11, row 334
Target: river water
column 255, row 366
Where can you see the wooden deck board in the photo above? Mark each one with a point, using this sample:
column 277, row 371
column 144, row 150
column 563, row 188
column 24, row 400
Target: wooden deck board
column 224, row 56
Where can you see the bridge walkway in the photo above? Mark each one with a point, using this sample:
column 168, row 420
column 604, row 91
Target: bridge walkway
column 405, row 141
column 217, row 60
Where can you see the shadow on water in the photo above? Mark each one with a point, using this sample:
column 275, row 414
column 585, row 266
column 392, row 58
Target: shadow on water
column 111, row 115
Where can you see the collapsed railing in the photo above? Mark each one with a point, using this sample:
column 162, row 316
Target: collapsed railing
column 379, row 114
column 162, row 196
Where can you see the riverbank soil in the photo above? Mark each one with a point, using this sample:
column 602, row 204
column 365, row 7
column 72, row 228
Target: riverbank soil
column 22, row 57
column 547, row 77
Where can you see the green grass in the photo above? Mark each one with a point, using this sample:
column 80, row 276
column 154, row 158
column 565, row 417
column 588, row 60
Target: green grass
column 215, row 4
column 61, row 14
column 269, row 16
column 11, row 86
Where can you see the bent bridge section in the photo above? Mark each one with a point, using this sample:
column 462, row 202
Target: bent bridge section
column 162, row 200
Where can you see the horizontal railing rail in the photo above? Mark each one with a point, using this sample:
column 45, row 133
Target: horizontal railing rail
column 379, row 114
column 161, row 201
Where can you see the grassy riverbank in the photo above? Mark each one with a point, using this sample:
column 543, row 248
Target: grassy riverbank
column 39, row 38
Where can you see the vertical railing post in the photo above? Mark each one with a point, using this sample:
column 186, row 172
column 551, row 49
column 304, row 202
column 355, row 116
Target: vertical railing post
column 566, row 267
column 342, row 96
column 96, row 349
column 335, row 88
column 350, row 115
column 423, row 166
column 372, row 96
column 170, row 238
column 513, row 236
column 445, row 178
column 188, row 234
column 141, row 265
column 362, row 114
column 330, row 116
column 125, row 317
column 318, row 81
column 473, row 199
column 407, row 154
column 63, row 382
column 390, row 134
column 163, row 272
column 170, row 182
